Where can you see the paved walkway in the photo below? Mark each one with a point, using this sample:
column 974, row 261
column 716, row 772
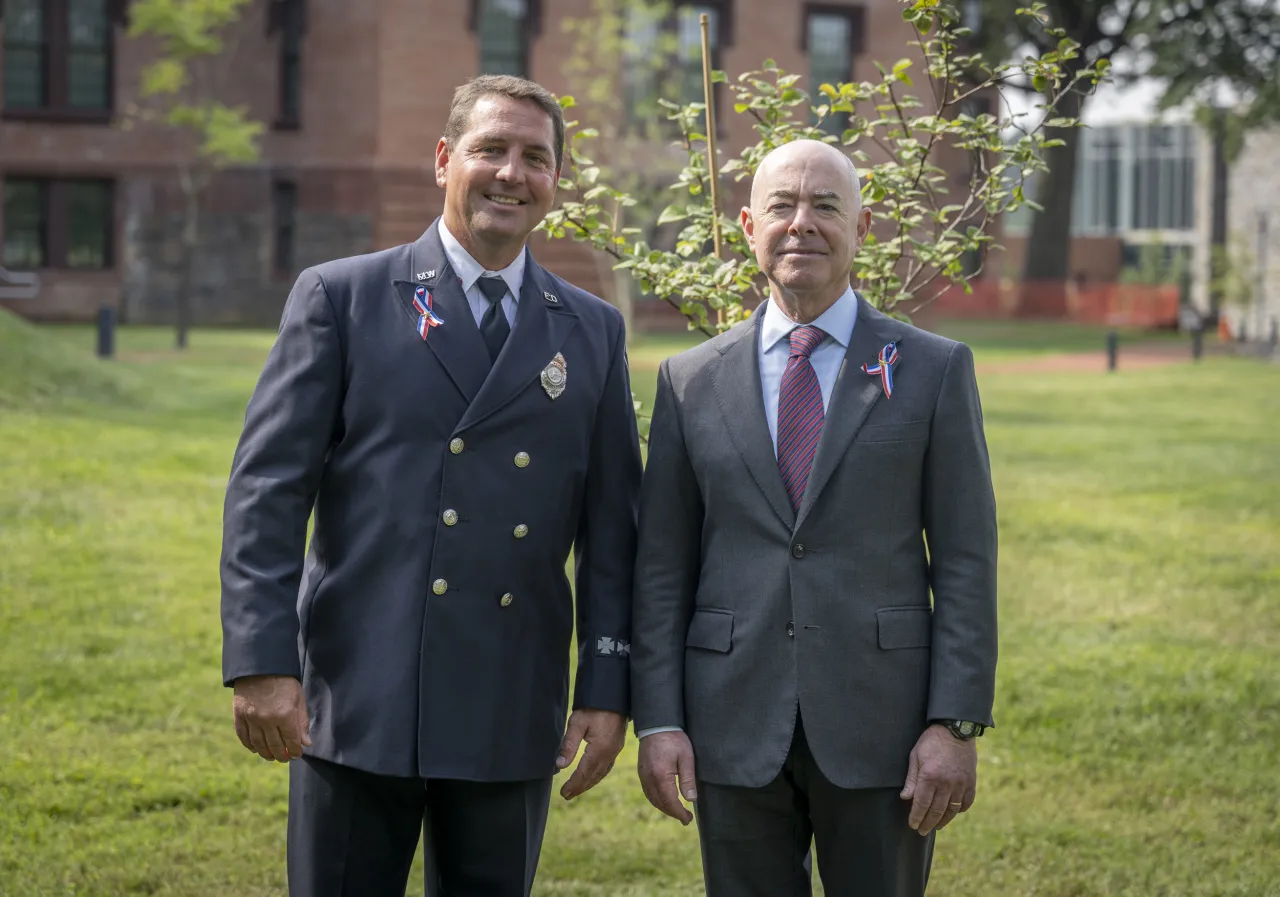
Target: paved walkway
column 1130, row 357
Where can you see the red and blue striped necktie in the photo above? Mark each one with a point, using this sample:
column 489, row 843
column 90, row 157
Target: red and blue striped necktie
column 800, row 413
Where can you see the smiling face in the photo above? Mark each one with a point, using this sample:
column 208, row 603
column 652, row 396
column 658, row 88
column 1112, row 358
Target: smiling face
column 806, row 223
column 499, row 178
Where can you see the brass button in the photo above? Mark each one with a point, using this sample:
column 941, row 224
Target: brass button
column 507, row 599
column 439, row 586
column 450, row 517
column 456, row 446
column 521, row 531
column 522, row 459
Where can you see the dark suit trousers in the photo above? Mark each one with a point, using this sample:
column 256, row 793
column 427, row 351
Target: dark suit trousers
column 355, row 833
column 755, row 841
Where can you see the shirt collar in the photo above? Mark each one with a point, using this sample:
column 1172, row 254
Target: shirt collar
column 837, row 321
column 469, row 270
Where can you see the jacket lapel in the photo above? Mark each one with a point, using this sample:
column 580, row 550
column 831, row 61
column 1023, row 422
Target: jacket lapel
column 852, row 399
column 457, row 342
column 737, row 387
column 542, row 325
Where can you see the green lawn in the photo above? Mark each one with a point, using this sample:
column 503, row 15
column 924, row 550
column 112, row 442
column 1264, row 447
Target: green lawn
column 1139, row 697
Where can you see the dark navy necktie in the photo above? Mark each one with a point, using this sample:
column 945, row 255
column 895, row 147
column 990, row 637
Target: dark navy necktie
column 800, row 413
column 493, row 326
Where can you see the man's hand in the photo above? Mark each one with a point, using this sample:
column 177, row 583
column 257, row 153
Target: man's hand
column 271, row 716
column 604, row 731
column 942, row 779
column 664, row 757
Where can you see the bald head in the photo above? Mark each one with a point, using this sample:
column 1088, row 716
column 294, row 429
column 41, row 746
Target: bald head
column 805, row 224
column 799, row 154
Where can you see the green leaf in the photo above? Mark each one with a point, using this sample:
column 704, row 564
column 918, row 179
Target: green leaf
column 671, row 213
column 164, row 76
column 567, row 102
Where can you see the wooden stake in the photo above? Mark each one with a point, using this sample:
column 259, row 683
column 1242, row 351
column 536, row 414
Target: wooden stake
column 712, row 166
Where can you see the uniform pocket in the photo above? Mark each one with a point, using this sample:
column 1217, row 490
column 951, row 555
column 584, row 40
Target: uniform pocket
column 711, row 629
column 904, row 627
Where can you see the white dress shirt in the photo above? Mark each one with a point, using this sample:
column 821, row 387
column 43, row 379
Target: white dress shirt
column 470, row 271
column 774, row 350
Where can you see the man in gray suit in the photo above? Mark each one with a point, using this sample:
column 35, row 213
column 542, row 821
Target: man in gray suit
column 799, row 506
column 459, row 418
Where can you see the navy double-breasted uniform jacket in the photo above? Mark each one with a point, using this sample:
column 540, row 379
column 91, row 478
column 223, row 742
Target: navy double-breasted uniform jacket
column 431, row 619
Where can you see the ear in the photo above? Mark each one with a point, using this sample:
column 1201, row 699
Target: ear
column 864, row 225
column 748, row 227
column 442, row 162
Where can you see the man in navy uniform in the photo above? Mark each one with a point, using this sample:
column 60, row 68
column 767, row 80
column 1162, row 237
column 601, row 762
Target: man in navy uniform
column 459, row 418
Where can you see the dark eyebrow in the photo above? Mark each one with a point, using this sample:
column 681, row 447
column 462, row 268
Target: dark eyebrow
column 827, row 194
column 496, row 137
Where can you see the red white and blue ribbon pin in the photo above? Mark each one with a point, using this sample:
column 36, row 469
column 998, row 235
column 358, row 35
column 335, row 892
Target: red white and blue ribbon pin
column 427, row 317
column 883, row 368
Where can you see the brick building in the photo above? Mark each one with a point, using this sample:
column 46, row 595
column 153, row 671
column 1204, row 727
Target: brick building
column 355, row 96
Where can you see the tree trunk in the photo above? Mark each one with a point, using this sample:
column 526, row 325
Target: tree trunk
column 1049, row 249
column 1218, row 218
column 190, row 242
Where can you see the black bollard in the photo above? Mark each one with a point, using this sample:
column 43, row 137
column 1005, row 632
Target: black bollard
column 1113, row 349
column 106, row 332
column 1197, row 342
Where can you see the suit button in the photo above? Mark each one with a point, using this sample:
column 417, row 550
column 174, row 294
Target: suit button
column 791, row 629
column 797, row 550
column 521, row 531
column 450, row 517
column 439, row 586
column 506, row 599
column 522, row 459
column 456, row 446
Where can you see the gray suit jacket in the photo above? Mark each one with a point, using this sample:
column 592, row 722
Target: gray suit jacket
column 745, row 612
column 432, row 619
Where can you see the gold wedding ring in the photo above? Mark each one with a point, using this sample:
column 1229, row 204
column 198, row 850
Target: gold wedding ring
column 956, row 804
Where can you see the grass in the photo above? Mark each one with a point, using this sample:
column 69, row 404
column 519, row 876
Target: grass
column 1139, row 698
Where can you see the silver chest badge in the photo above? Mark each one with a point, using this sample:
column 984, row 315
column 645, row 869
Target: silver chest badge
column 554, row 376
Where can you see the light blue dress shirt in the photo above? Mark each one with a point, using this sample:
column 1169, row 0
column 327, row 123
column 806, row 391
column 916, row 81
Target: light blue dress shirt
column 774, row 350
column 470, row 271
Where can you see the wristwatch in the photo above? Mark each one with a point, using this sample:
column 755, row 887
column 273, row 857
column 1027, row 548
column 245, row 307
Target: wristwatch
column 962, row 729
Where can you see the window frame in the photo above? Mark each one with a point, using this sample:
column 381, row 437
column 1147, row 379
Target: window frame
column 56, row 220
column 57, row 58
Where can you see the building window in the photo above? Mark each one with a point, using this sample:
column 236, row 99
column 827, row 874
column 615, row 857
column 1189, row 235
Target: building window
column 664, row 56
column 289, row 19
column 285, row 202
column 832, row 38
column 25, row 223
column 689, row 49
column 58, row 223
column 291, row 64
column 503, row 29
column 1134, row 178
column 58, row 57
